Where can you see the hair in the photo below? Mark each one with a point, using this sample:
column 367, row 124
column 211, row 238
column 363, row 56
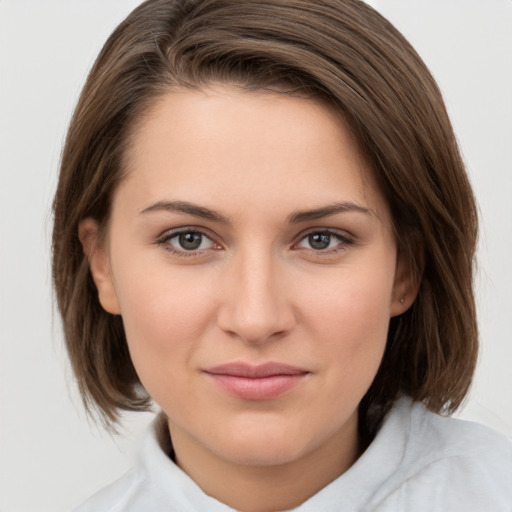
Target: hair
column 341, row 52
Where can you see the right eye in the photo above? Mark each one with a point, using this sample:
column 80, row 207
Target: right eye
column 187, row 242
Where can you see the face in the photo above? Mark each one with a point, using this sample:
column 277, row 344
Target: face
column 252, row 259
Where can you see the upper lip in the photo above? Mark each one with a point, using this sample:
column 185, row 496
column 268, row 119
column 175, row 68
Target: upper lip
column 255, row 371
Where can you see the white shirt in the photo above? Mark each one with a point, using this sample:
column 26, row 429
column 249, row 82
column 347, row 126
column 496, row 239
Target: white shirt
column 418, row 462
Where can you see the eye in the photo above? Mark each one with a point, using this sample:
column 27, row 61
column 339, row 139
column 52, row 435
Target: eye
column 187, row 241
column 190, row 241
column 324, row 241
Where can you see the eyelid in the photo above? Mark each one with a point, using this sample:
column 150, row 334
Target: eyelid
column 346, row 239
column 163, row 239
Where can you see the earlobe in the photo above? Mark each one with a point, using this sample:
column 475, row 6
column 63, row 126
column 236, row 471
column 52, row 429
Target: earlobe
column 94, row 250
column 405, row 289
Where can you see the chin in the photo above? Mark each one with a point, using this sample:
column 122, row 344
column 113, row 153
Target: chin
column 264, row 446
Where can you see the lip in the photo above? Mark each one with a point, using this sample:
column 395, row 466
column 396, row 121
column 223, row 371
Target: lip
column 260, row 382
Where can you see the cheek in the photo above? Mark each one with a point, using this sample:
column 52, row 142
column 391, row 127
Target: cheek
column 159, row 302
column 164, row 315
column 350, row 322
column 352, row 302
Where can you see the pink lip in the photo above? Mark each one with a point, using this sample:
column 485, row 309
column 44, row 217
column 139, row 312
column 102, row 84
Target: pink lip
column 262, row 382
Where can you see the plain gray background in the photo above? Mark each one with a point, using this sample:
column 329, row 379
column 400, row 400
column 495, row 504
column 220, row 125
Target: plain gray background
column 51, row 457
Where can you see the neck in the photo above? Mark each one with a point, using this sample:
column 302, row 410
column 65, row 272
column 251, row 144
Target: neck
column 266, row 488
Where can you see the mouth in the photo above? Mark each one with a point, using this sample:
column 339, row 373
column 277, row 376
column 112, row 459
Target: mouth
column 261, row 382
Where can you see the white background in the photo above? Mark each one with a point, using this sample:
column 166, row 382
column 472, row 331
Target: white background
column 51, row 457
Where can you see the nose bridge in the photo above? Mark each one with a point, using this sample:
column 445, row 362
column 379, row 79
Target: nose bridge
column 257, row 307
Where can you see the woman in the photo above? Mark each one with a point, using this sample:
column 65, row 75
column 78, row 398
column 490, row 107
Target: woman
column 263, row 224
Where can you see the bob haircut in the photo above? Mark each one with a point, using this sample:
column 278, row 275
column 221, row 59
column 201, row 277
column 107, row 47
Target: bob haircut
column 340, row 52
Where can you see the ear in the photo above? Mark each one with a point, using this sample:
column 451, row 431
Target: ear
column 94, row 250
column 405, row 288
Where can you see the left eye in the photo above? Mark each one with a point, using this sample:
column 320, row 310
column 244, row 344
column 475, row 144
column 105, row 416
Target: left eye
column 189, row 241
column 321, row 241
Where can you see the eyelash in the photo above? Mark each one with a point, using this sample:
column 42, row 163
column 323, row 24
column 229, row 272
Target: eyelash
column 164, row 242
column 344, row 241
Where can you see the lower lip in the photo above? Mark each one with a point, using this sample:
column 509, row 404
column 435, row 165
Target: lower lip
column 262, row 388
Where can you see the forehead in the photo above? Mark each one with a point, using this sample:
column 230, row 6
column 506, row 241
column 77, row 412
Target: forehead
column 223, row 141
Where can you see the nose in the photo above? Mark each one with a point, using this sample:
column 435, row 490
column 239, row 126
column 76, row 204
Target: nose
column 256, row 305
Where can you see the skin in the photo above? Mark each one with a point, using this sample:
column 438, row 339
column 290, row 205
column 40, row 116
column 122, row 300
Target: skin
column 257, row 289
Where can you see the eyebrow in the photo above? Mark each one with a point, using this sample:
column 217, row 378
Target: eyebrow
column 295, row 218
column 188, row 209
column 328, row 210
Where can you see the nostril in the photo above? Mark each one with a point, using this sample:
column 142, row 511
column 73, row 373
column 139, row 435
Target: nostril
column 269, row 325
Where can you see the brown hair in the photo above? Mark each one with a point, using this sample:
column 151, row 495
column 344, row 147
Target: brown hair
column 341, row 52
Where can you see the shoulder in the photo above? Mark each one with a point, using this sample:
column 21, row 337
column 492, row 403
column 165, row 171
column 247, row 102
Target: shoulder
column 115, row 496
column 155, row 483
column 434, row 437
column 133, row 491
column 449, row 464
